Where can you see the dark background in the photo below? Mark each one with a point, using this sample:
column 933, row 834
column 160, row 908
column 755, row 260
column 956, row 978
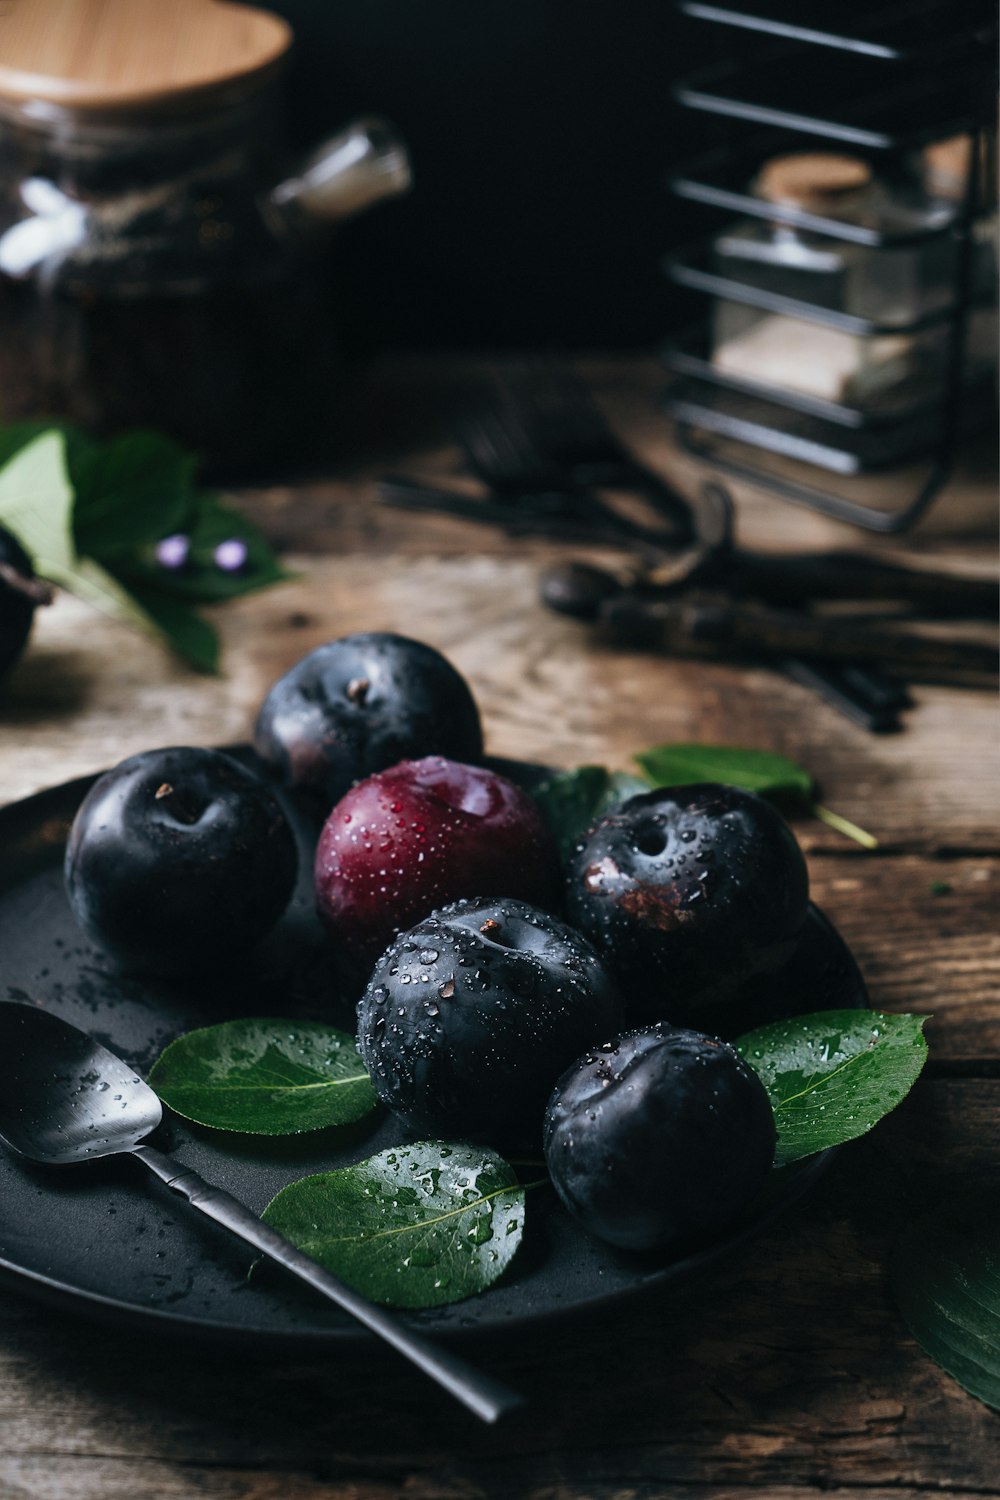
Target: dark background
column 540, row 132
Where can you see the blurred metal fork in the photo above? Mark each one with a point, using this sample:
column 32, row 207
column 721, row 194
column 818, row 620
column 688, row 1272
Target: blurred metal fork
column 499, row 449
column 569, row 431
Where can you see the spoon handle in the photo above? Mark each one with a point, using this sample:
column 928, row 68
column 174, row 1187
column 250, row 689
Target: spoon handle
column 488, row 1398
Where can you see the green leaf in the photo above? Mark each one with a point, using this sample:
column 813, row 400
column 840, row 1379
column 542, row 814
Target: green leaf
column 264, row 1077
column 759, row 771
column 36, row 504
column 16, row 437
column 130, row 493
column 832, row 1075
column 188, row 634
column 415, row 1226
column 201, row 581
column 572, row 800
column 945, row 1276
column 116, row 501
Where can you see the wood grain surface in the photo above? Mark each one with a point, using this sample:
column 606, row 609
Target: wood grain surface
column 786, row 1371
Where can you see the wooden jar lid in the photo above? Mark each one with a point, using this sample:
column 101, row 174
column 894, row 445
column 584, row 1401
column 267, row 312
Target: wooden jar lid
column 94, row 56
column 811, row 180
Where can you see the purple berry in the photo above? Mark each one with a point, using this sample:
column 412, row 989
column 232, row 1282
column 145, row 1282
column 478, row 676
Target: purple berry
column 231, row 555
column 173, row 552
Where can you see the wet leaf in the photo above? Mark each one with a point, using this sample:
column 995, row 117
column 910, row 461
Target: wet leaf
column 946, row 1281
column 264, row 1077
column 414, row 1226
column 759, row 771
column 572, row 800
column 831, row 1076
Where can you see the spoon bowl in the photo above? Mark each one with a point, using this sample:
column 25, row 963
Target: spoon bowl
column 63, row 1097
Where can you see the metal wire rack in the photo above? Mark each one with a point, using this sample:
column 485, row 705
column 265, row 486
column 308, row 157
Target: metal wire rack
column 880, row 82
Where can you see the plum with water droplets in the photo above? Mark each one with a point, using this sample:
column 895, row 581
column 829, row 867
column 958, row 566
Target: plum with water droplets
column 358, row 705
column 469, row 1018
column 688, row 892
column 660, row 1139
column 179, row 859
column 418, row 835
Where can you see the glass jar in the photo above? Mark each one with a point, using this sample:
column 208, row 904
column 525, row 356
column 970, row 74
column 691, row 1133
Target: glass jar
column 154, row 270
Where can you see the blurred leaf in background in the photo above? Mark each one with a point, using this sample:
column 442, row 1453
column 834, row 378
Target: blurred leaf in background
column 94, row 517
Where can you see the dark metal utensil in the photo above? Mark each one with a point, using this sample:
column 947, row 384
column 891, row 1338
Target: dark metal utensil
column 550, row 514
column 569, row 429
column 712, row 601
column 65, row 1099
column 499, row 449
column 710, row 625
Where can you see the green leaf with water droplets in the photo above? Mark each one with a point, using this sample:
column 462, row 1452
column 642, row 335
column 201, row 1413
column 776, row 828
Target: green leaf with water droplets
column 264, row 1077
column 831, row 1076
column 414, row 1226
column 572, row 800
column 946, row 1281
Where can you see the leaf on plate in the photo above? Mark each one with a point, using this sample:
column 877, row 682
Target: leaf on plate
column 759, row 771
column 831, row 1076
column 572, row 800
column 36, row 504
column 945, row 1275
column 414, row 1226
column 264, row 1077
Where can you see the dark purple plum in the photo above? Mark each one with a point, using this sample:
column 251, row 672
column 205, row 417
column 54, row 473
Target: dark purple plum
column 20, row 593
column 688, row 892
column 470, row 1017
column 820, row 973
column 359, row 705
column 660, row 1139
column 178, row 860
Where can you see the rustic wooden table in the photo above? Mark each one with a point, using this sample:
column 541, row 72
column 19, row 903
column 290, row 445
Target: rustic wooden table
column 784, row 1371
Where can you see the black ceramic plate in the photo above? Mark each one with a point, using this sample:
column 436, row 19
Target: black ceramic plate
column 108, row 1240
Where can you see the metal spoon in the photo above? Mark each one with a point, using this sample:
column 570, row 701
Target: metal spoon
column 65, row 1099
